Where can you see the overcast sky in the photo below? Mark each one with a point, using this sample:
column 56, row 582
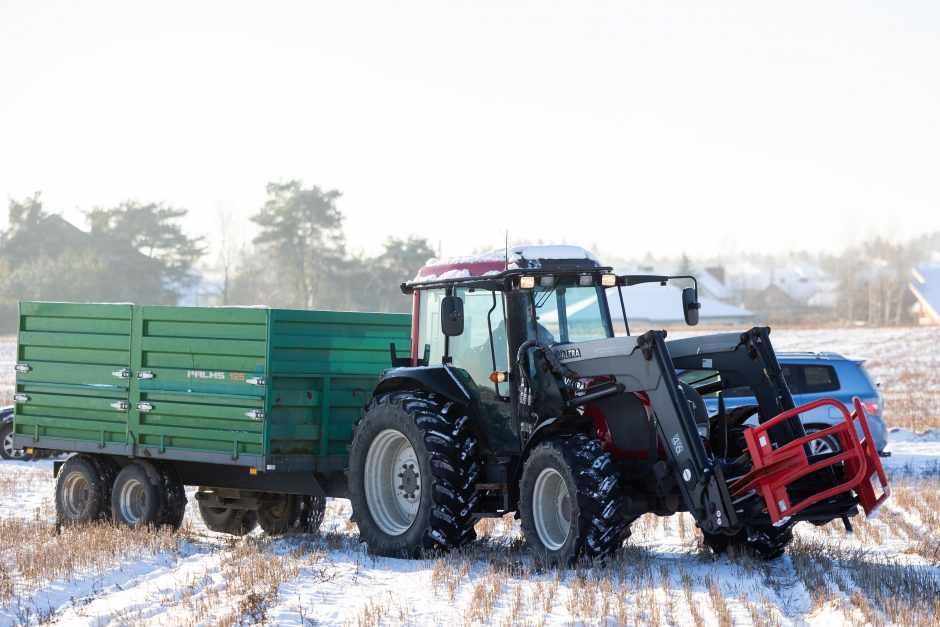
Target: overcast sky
column 702, row 127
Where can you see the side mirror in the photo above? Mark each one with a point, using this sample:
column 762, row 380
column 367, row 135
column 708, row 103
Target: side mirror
column 452, row 316
column 690, row 306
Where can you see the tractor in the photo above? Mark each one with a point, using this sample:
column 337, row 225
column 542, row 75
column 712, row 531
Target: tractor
column 519, row 395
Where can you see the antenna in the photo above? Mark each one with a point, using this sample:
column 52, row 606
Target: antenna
column 507, row 250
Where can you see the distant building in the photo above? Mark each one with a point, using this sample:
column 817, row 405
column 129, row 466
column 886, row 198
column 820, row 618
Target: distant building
column 712, row 283
column 652, row 305
column 797, row 291
column 925, row 285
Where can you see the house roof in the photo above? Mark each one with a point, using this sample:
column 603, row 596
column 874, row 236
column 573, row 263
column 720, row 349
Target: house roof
column 711, row 284
column 925, row 284
column 663, row 304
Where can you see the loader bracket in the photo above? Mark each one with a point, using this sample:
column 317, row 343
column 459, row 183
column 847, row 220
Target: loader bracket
column 777, row 470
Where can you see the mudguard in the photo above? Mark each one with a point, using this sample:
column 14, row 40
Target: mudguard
column 439, row 379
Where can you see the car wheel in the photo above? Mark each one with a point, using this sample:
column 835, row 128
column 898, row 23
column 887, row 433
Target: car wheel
column 826, row 445
column 8, row 451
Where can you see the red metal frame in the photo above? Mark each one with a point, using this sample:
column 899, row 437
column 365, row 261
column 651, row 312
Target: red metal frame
column 775, row 469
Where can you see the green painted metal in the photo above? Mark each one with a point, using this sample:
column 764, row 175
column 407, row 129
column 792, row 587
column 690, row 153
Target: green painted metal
column 272, row 389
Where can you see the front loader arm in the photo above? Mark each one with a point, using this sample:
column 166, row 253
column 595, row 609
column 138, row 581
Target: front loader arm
column 744, row 360
column 642, row 364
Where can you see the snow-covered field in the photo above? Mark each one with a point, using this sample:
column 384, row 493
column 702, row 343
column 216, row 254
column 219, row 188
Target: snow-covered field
column 887, row 572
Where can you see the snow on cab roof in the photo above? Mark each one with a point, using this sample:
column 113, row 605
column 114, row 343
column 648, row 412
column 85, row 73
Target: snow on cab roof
column 496, row 261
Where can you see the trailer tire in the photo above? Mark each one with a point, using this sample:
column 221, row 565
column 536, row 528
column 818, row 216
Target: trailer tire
column 277, row 514
column 236, row 522
column 310, row 513
column 560, row 529
column 286, row 513
column 174, row 496
column 766, row 542
column 428, row 439
column 83, row 490
column 138, row 498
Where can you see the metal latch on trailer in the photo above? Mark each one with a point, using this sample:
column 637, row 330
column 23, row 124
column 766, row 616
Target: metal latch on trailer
column 144, row 407
column 256, row 381
column 123, row 373
column 255, row 414
column 121, row 405
column 144, row 374
column 20, row 398
column 22, row 367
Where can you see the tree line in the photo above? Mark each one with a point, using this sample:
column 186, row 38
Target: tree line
column 139, row 252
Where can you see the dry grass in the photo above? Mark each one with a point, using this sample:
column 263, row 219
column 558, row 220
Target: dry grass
column 34, row 554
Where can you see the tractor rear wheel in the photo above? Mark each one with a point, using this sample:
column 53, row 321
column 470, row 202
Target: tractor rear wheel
column 569, row 500
column 764, row 542
column 412, row 475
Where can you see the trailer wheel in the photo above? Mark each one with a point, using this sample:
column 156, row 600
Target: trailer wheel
column 412, row 475
column 7, row 450
column 310, row 513
column 83, row 490
column 569, row 500
column 236, row 522
column 277, row 514
column 765, row 542
column 138, row 498
column 291, row 513
column 174, row 496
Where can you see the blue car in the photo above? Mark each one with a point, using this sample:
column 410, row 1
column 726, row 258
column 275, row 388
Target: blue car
column 7, row 450
column 810, row 377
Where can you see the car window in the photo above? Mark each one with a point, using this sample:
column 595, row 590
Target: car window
column 791, row 375
column 820, row 379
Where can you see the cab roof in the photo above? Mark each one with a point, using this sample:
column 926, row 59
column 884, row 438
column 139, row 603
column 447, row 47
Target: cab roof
column 498, row 264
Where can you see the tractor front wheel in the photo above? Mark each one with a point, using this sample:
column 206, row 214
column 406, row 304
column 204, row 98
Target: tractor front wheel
column 412, row 475
column 569, row 498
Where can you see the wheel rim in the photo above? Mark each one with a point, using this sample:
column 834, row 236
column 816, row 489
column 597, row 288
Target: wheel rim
column 277, row 508
column 820, row 446
column 392, row 482
column 551, row 509
column 10, row 449
column 75, row 496
column 132, row 501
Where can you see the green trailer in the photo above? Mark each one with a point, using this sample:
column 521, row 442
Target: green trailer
column 254, row 405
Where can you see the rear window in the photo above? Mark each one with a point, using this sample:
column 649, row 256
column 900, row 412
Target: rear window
column 810, row 379
column 820, row 379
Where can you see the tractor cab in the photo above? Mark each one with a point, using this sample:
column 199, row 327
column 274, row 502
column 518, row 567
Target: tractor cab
column 474, row 314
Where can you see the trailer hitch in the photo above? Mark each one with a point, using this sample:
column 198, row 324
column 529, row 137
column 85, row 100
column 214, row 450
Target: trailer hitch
column 777, row 469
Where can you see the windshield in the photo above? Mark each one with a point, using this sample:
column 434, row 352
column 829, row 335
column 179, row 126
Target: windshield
column 570, row 314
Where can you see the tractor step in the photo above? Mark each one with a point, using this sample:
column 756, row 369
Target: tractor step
column 775, row 470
